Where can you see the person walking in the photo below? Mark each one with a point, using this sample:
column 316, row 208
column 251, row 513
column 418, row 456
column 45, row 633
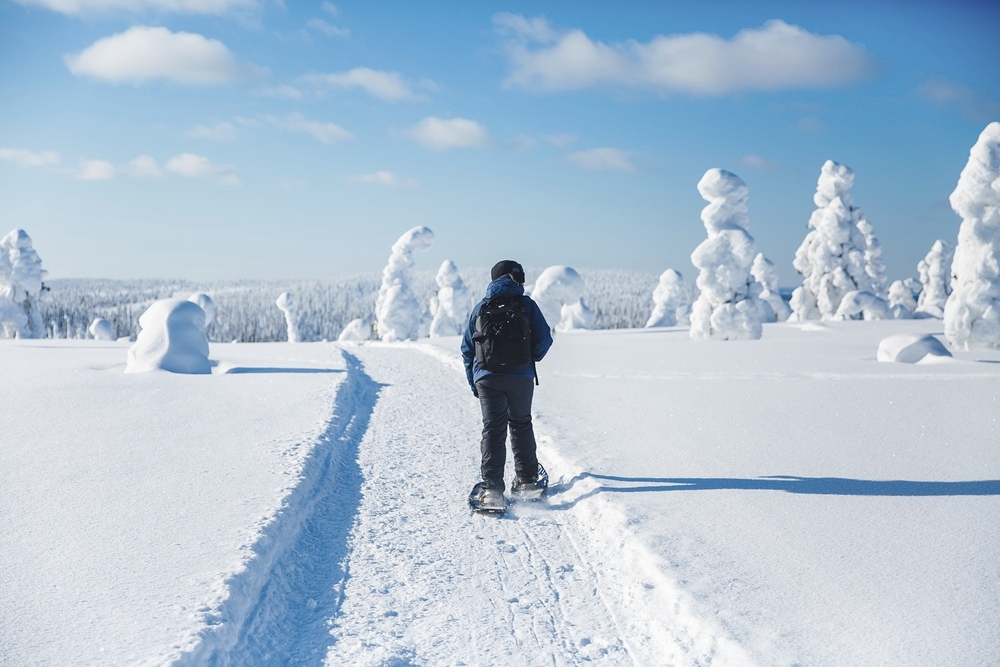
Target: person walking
column 506, row 335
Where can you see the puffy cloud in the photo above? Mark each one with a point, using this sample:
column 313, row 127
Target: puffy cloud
column 443, row 135
column 384, row 178
column 205, row 7
column 197, row 166
column 328, row 29
column 953, row 95
column 25, row 158
column 223, row 131
column 326, row 133
column 142, row 54
column 776, row 56
column 388, row 86
column 596, row 159
column 95, row 170
column 145, row 166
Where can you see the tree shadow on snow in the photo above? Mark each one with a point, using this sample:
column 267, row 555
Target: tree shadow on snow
column 825, row 486
column 237, row 370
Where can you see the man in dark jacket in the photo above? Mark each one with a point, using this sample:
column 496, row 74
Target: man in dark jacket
column 505, row 396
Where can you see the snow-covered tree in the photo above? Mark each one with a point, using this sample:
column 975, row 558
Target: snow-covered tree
column 357, row 330
column 671, row 301
column 935, row 279
column 20, row 286
column 450, row 306
column 398, row 314
column 840, row 254
column 859, row 305
column 765, row 273
column 728, row 307
column 206, row 303
column 172, row 338
column 559, row 295
column 101, row 329
column 972, row 312
column 902, row 302
column 286, row 304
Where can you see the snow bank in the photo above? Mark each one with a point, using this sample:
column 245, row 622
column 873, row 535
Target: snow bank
column 671, row 301
column 728, row 307
column 935, row 279
column 20, row 285
column 206, row 304
column 972, row 313
column 559, row 295
column 172, row 338
column 398, row 314
column 450, row 307
column 286, row 304
column 840, row 254
column 765, row 273
column 910, row 348
column 357, row 330
column 101, row 329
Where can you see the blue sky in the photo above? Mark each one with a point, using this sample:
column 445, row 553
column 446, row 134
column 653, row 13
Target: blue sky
column 253, row 139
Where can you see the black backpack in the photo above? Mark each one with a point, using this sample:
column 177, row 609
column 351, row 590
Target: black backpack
column 503, row 334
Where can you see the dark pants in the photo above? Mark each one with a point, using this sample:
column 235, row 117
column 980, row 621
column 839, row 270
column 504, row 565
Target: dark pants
column 506, row 401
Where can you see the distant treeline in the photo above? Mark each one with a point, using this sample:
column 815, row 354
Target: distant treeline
column 246, row 311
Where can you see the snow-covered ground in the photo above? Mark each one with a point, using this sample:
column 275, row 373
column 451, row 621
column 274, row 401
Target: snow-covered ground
column 774, row 502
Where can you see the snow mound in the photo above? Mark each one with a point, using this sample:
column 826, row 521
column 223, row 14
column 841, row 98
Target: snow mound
column 559, row 295
column 910, row 348
column 398, row 315
column 972, row 312
column 357, row 330
column 172, row 338
column 206, row 303
column 101, row 329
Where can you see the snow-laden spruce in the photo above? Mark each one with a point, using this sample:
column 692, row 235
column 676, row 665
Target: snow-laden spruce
column 972, row 313
column 398, row 314
column 840, row 254
column 101, row 329
column 935, row 279
column 286, row 304
column 765, row 273
column 206, row 303
column 357, row 330
column 902, row 301
column 728, row 307
column 450, row 306
column 172, row 338
column 20, row 286
column 558, row 291
column 671, row 301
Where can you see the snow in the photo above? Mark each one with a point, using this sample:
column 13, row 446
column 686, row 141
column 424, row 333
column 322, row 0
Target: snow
column 558, row 291
column 451, row 306
column 728, row 306
column 205, row 302
column 358, row 329
column 101, row 329
column 910, row 348
column 765, row 273
column 171, row 338
column 858, row 305
column 935, row 279
column 286, row 304
column 671, row 301
column 398, row 314
column 20, row 285
column 972, row 313
column 306, row 503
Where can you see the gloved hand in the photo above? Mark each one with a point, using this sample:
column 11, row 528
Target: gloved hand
column 475, row 392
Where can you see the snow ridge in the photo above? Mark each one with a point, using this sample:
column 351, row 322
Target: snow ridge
column 279, row 606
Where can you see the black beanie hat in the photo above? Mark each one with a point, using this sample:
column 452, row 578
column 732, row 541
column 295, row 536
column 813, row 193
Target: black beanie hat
column 508, row 266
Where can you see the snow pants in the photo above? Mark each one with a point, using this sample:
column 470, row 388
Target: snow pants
column 506, row 402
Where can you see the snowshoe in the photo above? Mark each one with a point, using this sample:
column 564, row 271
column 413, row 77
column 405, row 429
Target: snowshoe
column 484, row 500
column 523, row 489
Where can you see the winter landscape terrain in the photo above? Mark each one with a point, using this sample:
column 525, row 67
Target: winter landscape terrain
column 783, row 501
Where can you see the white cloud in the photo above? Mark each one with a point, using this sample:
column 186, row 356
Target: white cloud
column 146, row 166
column 330, row 9
column 142, row 54
column 384, row 178
column 561, row 140
column 949, row 94
column 443, row 135
column 388, row 86
column 602, row 159
column 95, row 170
column 25, row 158
column 197, row 166
column 757, row 162
column 522, row 143
column 326, row 133
column 776, row 56
column 328, row 29
column 204, row 7
column 224, row 131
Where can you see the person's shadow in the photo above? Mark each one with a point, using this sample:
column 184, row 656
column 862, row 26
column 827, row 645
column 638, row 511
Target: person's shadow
column 826, row 486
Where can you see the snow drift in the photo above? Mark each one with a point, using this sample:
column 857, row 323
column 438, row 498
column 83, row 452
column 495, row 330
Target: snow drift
column 398, row 314
column 972, row 313
column 728, row 307
column 172, row 339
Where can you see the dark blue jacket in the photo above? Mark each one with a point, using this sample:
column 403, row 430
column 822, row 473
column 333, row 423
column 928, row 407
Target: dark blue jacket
column 541, row 333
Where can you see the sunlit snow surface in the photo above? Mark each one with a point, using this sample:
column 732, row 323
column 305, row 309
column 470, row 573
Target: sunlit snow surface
column 776, row 502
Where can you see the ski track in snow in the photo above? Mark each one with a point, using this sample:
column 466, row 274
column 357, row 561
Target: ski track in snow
column 376, row 559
